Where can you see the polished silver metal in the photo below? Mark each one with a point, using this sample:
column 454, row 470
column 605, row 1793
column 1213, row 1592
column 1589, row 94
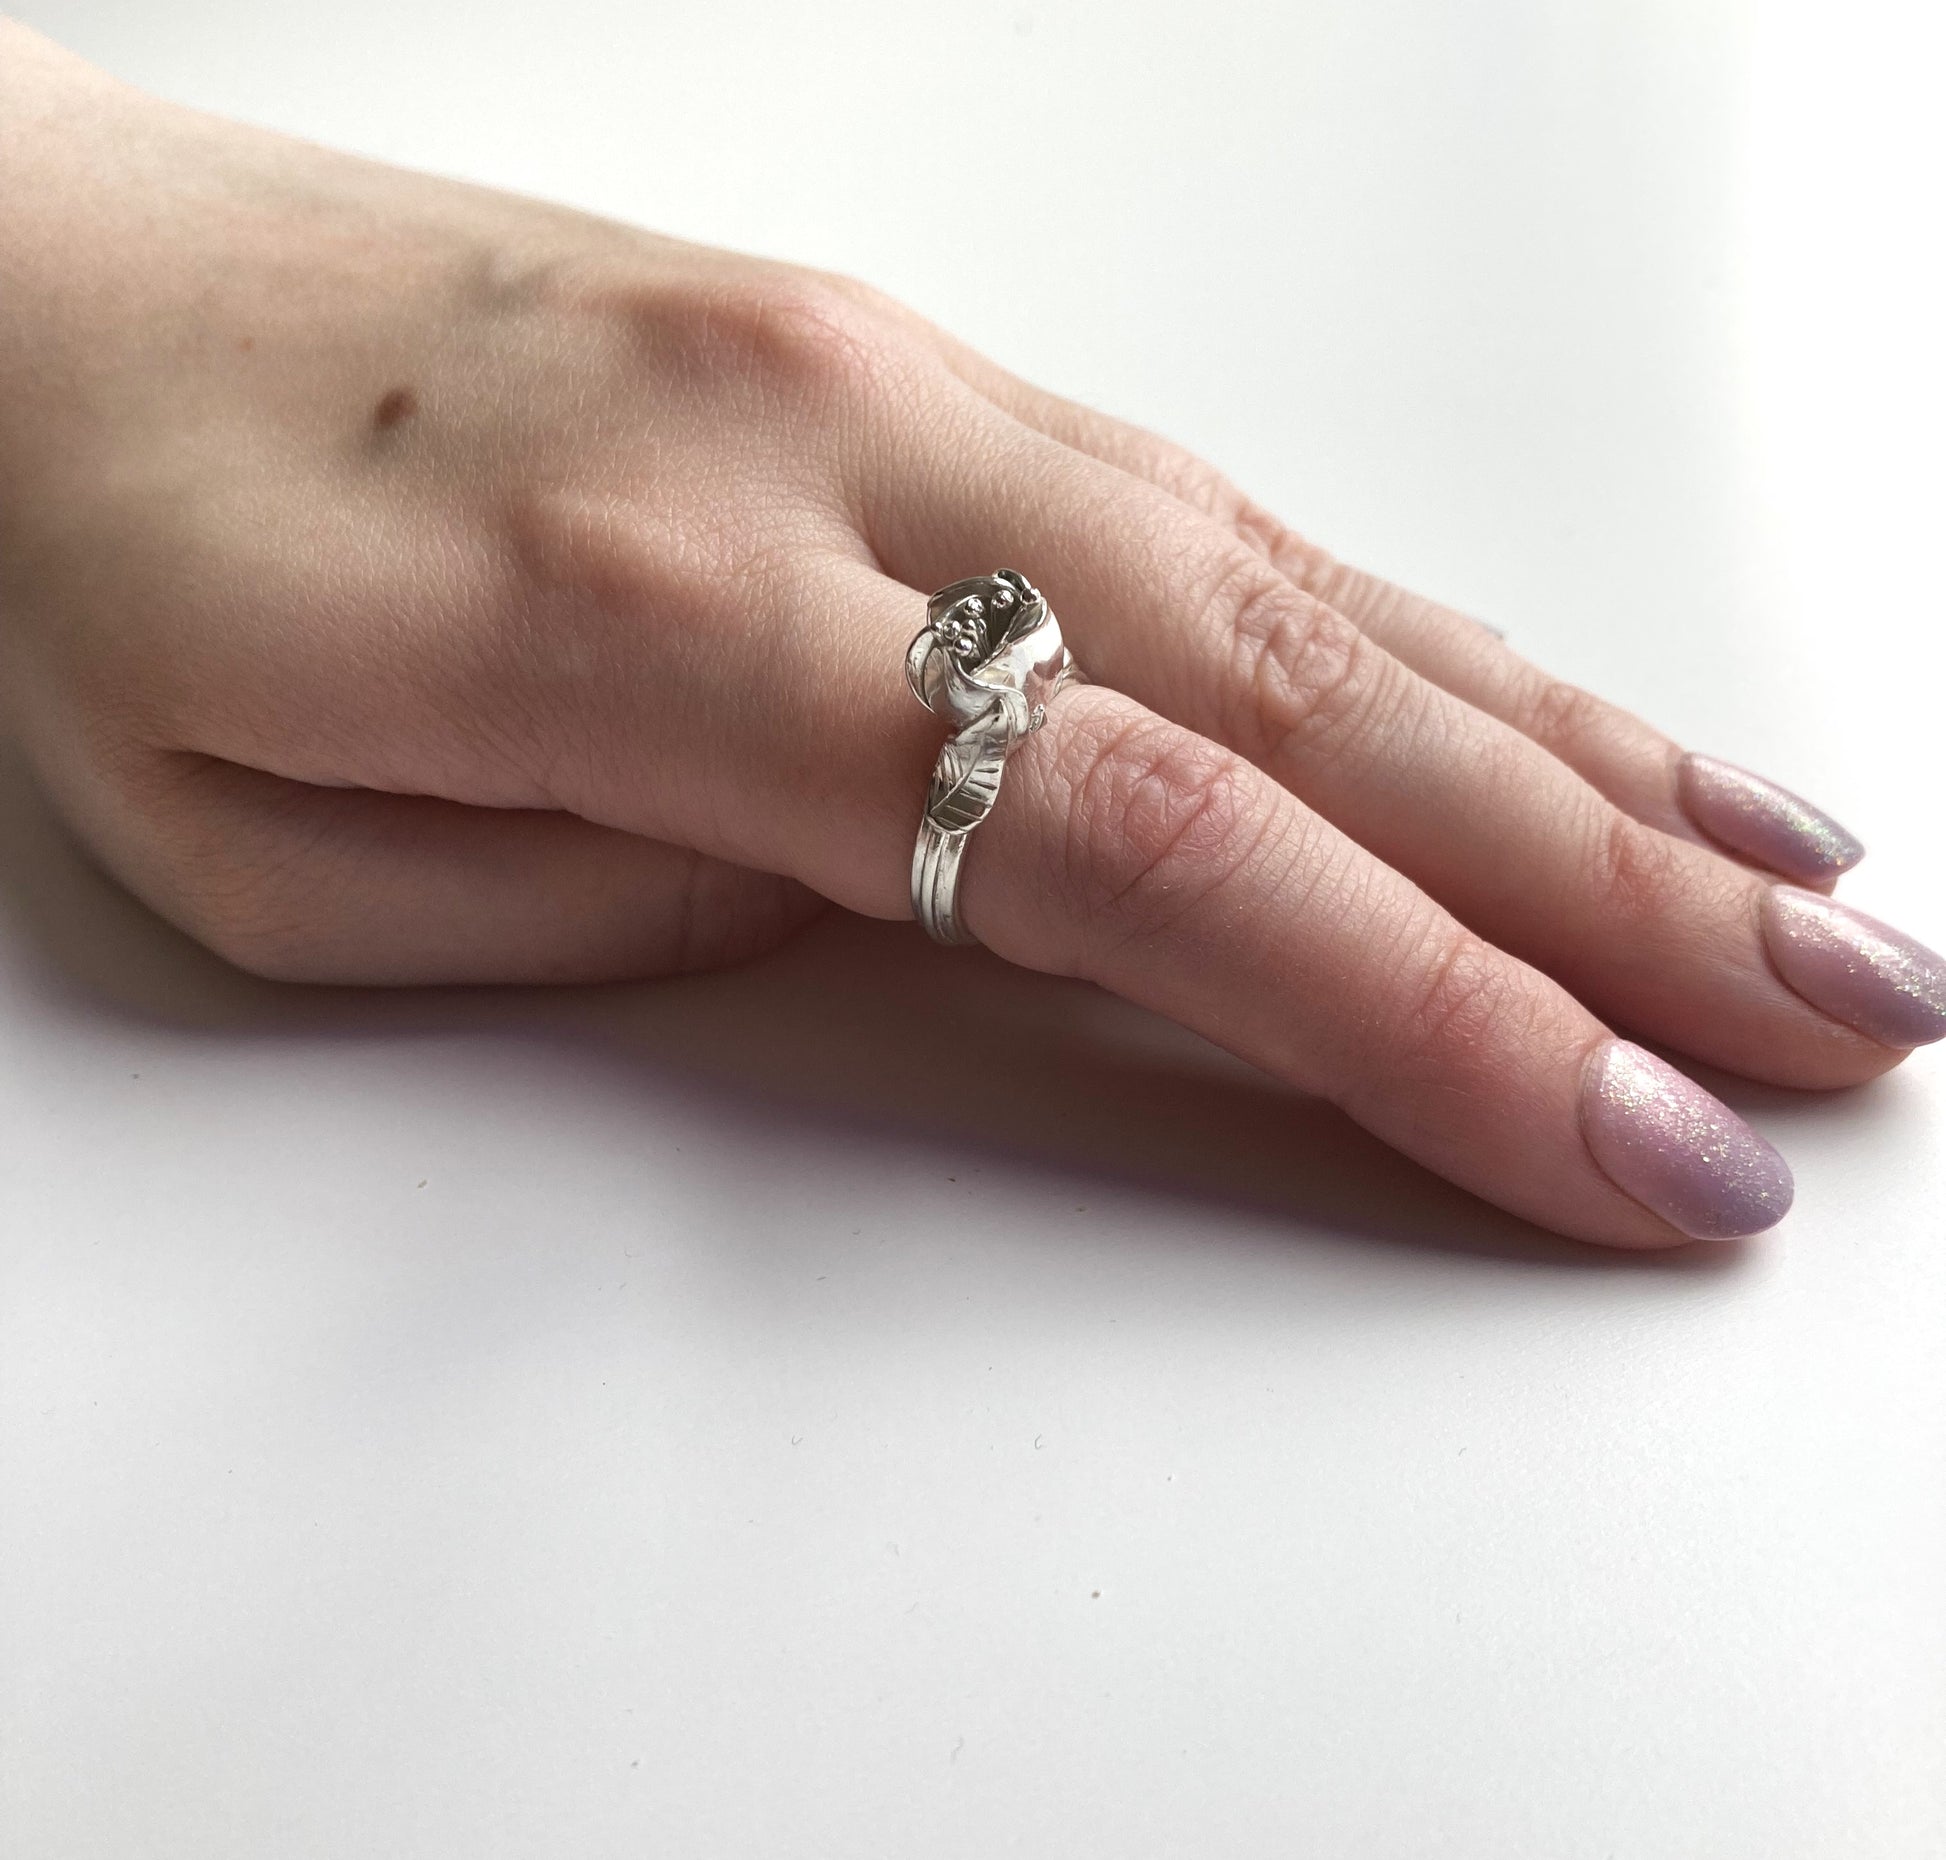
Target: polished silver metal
column 989, row 658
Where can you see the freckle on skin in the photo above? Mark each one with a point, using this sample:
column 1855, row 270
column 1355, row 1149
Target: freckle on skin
column 246, row 343
column 396, row 404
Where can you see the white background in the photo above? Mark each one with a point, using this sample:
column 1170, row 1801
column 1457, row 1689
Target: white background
column 879, row 1403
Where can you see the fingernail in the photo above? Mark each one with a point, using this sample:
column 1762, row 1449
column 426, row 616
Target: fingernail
column 1762, row 821
column 1855, row 968
column 1680, row 1152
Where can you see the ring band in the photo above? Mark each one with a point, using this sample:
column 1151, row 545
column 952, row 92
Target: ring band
column 990, row 658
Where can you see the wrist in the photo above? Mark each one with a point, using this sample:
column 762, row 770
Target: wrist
column 50, row 109
column 77, row 259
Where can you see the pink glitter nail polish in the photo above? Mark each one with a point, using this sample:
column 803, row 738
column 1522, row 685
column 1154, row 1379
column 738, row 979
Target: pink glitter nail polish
column 1855, row 968
column 1763, row 822
column 1680, row 1152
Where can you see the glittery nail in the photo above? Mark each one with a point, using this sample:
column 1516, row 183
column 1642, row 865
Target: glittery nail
column 1762, row 821
column 1855, row 968
column 1678, row 1151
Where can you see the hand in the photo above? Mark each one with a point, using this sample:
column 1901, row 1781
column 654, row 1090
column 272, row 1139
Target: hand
column 402, row 583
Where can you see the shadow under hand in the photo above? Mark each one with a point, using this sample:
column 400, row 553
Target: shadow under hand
column 853, row 1021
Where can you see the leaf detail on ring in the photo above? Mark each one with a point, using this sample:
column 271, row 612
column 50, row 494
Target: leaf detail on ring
column 965, row 781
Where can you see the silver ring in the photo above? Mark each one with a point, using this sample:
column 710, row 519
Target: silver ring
column 989, row 658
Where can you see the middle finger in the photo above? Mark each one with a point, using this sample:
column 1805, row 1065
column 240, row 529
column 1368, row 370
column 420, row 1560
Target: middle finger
column 1693, row 796
column 1653, row 932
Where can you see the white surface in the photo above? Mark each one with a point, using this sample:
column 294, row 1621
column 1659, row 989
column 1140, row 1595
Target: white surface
column 607, row 1423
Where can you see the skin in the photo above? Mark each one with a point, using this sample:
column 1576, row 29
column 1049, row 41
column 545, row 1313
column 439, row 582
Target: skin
column 402, row 582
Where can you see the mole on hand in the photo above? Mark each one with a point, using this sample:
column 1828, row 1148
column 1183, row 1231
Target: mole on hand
column 394, row 405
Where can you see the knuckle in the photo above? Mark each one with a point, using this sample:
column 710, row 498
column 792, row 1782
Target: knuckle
column 795, row 332
column 1636, row 870
column 586, row 563
column 1301, row 673
column 1298, row 560
column 608, row 605
column 1561, row 717
column 1160, row 819
column 713, row 330
column 1191, row 479
column 602, row 559
column 879, row 304
column 1363, row 599
column 1461, row 997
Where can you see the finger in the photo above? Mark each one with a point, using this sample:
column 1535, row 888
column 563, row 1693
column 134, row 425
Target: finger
column 723, row 699
column 1140, row 856
column 1636, row 766
column 302, row 883
column 1655, row 933
column 1134, row 853
column 1129, row 851
column 1123, row 849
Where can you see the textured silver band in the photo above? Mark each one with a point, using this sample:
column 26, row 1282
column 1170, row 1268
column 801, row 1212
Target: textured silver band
column 990, row 659
column 935, row 883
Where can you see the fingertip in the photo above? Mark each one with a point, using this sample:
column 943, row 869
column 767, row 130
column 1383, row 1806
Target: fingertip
column 1680, row 1152
column 1876, row 980
column 1758, row 820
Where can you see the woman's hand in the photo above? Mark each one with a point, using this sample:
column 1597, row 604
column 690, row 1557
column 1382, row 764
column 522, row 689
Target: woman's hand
column 401, row 582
